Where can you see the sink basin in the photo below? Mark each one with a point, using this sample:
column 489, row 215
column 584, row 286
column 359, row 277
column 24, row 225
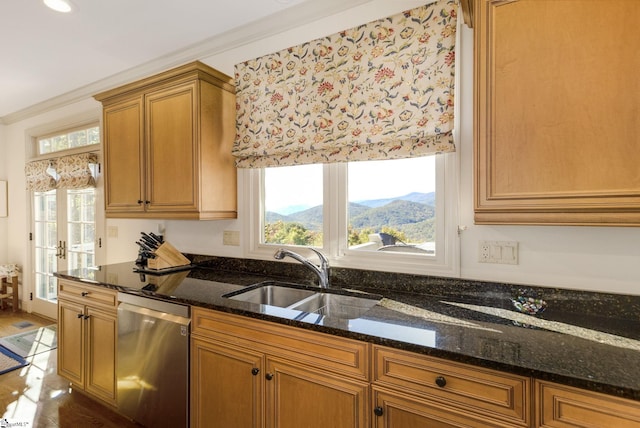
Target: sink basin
column 272, row 294
column 336, row 305
column 293, row 296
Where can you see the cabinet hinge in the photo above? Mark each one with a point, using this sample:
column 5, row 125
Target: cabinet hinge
column 99, row 168
column 30, row 296
column 30, row 236
column 99, row 242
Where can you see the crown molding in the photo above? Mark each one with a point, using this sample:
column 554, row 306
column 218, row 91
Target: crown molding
column 290, row 18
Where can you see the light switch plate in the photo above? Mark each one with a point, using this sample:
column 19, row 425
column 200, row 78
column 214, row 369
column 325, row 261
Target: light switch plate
column 502, row 252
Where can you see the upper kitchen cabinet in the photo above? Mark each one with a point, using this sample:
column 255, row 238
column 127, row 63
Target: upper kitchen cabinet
column 167, row 146
column 557, row 112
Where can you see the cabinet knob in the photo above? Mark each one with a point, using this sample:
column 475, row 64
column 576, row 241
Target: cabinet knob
column 255, row 371
column 140, row 201
column 84, row 293
column 147, row 202
column 441, row 381
column 378, row 411
column 80, row 315
column 269, row 376
column 86, row 317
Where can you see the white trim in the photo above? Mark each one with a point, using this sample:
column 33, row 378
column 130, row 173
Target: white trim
column 446, row 262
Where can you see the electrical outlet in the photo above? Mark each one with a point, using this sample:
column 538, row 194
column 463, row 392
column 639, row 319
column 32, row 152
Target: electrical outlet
column 503, row 252
column 484, row 251
column 231, row 237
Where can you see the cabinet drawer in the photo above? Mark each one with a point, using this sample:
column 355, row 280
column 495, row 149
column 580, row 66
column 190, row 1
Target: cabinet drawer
column 490, row 393
column 337, row 354
column 560, row 406
column 88, row 294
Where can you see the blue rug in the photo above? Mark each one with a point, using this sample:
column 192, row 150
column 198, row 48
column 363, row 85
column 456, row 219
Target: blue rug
column 32, row 342
column 10, row 361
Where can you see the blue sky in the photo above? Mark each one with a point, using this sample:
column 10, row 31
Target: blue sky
column 367, row 180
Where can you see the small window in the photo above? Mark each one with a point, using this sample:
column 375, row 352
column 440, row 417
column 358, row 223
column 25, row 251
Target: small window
column 392, row 215
column 69, row 140
column 392, row 205
column 292, row 212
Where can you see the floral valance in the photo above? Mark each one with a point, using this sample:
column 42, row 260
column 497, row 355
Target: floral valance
column 38, row 177
column 74, row 171
column 67, row 172
column 382, row 90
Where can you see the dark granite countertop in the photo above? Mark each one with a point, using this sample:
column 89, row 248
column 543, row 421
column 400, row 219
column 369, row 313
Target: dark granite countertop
column 587, row 340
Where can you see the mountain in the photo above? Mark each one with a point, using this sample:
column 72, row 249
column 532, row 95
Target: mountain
column 412, row 214
column 394, row 214
column 422, row 198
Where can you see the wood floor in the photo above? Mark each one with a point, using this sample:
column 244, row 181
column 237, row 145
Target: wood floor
column 35, row 396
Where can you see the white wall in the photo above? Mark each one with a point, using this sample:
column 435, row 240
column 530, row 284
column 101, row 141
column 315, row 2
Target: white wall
column 3, row 176
column 591, row 258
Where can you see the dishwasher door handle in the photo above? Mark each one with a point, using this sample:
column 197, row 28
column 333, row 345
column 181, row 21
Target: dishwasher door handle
column 177, row 319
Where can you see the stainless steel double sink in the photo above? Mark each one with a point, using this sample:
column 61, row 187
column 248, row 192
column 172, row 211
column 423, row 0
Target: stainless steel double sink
column 306, row 299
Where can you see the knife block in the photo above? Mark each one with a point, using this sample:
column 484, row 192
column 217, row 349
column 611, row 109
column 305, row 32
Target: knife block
column 167, row 256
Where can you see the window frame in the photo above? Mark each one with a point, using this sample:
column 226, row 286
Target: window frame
column 85, row 120
column 446, row 262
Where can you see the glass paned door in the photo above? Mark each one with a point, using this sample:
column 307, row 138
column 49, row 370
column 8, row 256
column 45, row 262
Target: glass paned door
column 65, row 238
column 81, row 228
column 46, row 245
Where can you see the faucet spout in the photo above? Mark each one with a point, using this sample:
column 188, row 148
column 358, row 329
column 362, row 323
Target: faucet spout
column 322, row 271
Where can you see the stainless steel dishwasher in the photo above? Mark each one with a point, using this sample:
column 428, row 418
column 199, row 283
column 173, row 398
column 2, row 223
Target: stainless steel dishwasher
column 153, row 361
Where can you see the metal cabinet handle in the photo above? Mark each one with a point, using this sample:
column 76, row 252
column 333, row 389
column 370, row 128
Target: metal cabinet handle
column 79, row 316
column 269, row 376
column 84, row 293
column 441, row 381
column 378, row 411
column 255, row 371
column 86, row 317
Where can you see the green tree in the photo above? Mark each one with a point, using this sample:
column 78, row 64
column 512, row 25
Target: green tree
column 291, row 234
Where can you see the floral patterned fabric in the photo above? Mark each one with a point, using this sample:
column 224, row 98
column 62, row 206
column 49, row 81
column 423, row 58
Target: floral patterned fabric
column 74, row 171
column 38, row 178
column 383, row 90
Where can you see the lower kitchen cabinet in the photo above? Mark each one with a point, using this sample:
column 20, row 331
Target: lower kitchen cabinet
column 248, row 373
column 396, row 410
column 87, row 333
column 226, row 386
column 298, row 396
column 560, row 406
column 251, row 373
column 410, row 387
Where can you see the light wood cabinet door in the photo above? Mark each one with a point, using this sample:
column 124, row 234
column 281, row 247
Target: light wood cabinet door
column 101, row 334
column 396, row 410
column 71, row 342
column 560, row 406
column 556, row 120
column 172, row 149
column 87, row 335
column 226, row 386
column 300, row 397
column 303, row 378
column 124, row 157
column 168, row 141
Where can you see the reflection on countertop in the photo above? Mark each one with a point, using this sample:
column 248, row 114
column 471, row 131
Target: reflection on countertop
column 568, row 337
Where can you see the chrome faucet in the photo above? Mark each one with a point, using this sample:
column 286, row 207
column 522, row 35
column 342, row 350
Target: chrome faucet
column 322, row 272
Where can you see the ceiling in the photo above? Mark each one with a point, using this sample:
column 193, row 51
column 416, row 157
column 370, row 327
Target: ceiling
column 50, row 58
